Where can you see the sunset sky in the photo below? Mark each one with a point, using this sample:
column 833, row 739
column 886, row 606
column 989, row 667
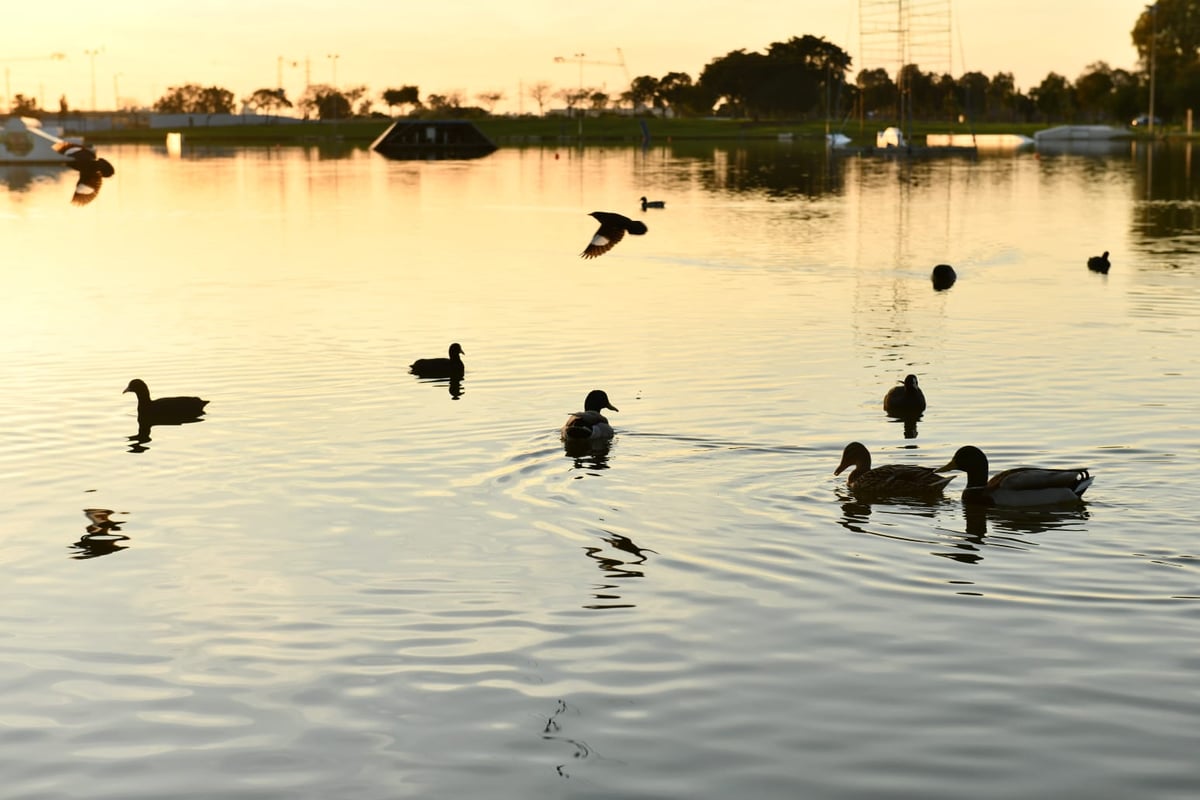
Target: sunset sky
column 474, row 46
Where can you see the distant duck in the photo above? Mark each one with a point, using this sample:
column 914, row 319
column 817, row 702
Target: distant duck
column 590, row 423
column 1099, row 263
column 906, row 400
column 164, row 410
column 889, row 479
column 92, row 171
column 944, row 277
column 613, row 228
column 1023, row 486
column 451, row 367
column 653, row 204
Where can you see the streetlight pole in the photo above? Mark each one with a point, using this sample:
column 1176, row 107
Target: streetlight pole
column 1153, row 48
column 92, row 55
column 117, row 91
column 333, row 59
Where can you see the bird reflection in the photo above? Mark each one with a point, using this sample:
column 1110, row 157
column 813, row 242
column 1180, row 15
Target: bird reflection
column 616, row 567
column 588, row 453
column 1008, row 529
column 553, row 732
column 102, row 535
column 138, row 441
column 454, row 386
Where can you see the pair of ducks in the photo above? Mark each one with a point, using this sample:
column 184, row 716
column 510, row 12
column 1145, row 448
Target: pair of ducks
column 587, row 424
column 1023, row 486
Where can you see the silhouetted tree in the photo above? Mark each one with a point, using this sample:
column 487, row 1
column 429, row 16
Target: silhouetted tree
column 791, row 78
column 1054, row 97
column 573, row 97
column 195, row 99
column 268, row 100
column 643, row 91
column 1094, row 92
column 325, row 102
column 599, row 100
column 404, row 96
column 1172, row 29
column 877, row 92
column 23, row 106
column 675, row 89
column 490, row 99
column 539, row 92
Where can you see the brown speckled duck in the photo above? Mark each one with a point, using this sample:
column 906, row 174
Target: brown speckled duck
column 1022, row 486
column 888, row 479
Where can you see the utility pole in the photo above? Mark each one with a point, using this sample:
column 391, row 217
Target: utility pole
column 1153, row 49
column 91, row 54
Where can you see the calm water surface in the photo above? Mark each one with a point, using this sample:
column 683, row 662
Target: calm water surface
column 348, row 582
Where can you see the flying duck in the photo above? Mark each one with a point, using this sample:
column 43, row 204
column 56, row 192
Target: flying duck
column 653, row 204
column 1023, row 486
column 451, row 367
column 164, row 410
column 906, row 400
column 590, row 423
column 92, row 171
column 613, row 228
column 888, row 479
column 943, row 277
column 1099, row 263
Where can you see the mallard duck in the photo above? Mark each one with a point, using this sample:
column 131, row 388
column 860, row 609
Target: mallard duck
column 1023, row 486
column 92, row 171
column 613, row 228
column 653, row 204
column 1099, row 263
column 888, row 479
column 906, row 400
column 451, row 367
column 590, row 423
column 943, row 277
column 164, row 410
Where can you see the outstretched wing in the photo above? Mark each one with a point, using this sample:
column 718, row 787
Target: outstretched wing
column 605, row 238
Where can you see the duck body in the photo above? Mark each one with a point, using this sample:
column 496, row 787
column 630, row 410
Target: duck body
column 1099, row 263
column 613, row 228
column 590, row 423
column 1022, row 486
column 906, row 400
column 164, row 410
column 451, row 367
column 943, row 277
column 653, row 204
column 898, row 480
column 92, row 171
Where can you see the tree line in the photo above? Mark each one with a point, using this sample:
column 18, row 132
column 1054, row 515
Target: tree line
column 802, row 78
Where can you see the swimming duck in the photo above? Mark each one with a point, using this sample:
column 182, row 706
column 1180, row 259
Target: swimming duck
column 590, row 423
column 1023, row 486
column 653, row 204
column 164, row 410
column 613, row 228
column 1099, row 263
column 92, row 171
column 888, row 479
column 451, row 367
column 943, row 277
column 906, row 400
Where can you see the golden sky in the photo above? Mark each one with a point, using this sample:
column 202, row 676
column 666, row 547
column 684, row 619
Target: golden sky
column 142, row 48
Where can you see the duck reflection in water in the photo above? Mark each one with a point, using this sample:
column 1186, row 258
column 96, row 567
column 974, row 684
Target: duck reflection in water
column 588, row 454
column 1009, row 527
column 102, row 535
column 454, row 386
column 616, row 568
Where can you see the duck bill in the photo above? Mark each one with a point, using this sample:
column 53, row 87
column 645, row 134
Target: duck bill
column 841, row 467
column 948, row 468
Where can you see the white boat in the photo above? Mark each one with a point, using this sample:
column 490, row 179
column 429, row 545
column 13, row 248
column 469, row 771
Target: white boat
column 836, row 140
column 890, row 137
column 24, row 142
column 1087, row 133
column 983, row 141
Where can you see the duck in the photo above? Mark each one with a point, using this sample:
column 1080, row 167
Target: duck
column 906, row 400
column 1099, row 263
column 613, row 228
column 92, row 171
column 451, row 367
column 164, row 410
column 888, row 479
column 590, row 423
column 943, row 277
column 653, row 204
column 1023, row 486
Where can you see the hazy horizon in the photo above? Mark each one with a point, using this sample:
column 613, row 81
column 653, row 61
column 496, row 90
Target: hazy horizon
column 473, row 47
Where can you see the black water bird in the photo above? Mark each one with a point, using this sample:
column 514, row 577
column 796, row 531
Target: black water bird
column 613, row 228
column 1022, row 486
column 92, row 171
column 653, row 204
column 164, row 410
column 1099, row 263
column 905, row 400
column 590, row 423
column 451, row 367
column 943, row 277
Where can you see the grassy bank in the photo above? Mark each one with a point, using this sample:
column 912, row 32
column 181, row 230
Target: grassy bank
column 543, row 130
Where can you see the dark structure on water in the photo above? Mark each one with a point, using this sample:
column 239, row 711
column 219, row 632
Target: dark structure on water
column 426, row 139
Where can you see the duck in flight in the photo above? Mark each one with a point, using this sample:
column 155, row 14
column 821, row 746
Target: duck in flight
column 92, row 171
column 613, row 228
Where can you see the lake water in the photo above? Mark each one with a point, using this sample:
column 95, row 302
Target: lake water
column 348, row 582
